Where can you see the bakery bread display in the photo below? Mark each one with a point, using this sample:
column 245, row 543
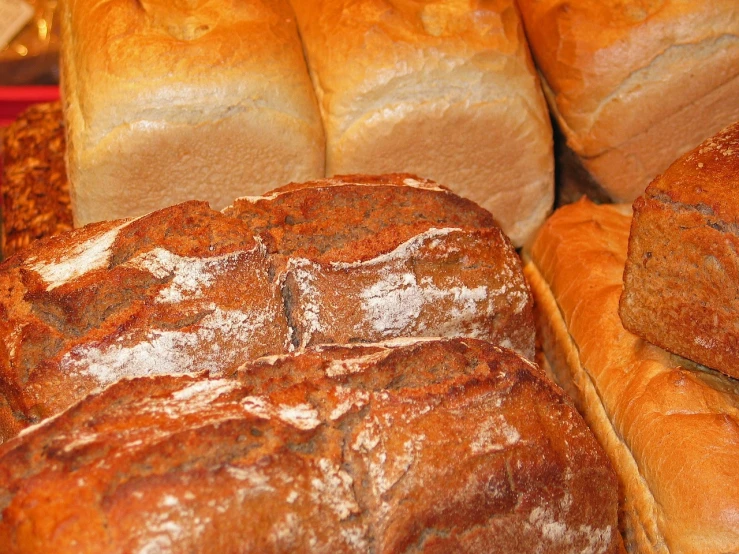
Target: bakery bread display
column 681, row 281
column 35, row 191
column 633, row 85
column 166, row 102
column 436, row 446
column 670, row 427
column 188, row 288
column 446, row 90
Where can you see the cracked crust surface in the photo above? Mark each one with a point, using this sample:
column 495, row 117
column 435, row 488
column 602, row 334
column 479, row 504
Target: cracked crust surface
column 189, row 289
column 433, row 445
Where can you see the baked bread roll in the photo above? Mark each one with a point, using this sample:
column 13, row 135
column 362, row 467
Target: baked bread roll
column 35, row 190
column 167, row 102
column 446, row 90
column 671, row 428
column 681, row 282
column 634, row 84
column 188, row 289
column 453, row 446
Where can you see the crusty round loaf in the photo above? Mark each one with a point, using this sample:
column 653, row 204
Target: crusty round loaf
column 189, row 289
column 431, row 446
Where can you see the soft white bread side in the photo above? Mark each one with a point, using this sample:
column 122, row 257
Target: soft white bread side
column 635, row 84
column 171, row 101
column 445, row 89
column 670, row 427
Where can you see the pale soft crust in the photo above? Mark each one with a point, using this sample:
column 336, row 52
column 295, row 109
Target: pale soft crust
column 445, row 90
column 167, row 102
column 636, row 83
column 671, row 429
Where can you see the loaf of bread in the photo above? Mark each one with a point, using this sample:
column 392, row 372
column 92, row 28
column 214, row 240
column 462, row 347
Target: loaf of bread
column 670, row 427
column 436, row 446
column 681, row 282
column 35, row 190
column 188, row 289
column 635, row 84
column 446, row 90
column 167, row 102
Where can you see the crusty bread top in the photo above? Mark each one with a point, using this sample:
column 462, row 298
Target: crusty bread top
column 679, row 422
column 600, row 57
column 353, row 218
column 128, row 61
column 705, row 179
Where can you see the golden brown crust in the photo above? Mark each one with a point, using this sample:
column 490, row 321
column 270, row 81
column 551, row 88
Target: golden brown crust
column 450, row 446
column 167, row 102
column 191, row 289
column 35, row 189
column 445, row 90
column 635, row 84
column 671, row 429
column 681, row 281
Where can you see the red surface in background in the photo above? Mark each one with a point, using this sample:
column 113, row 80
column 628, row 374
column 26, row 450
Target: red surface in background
column 13, row 100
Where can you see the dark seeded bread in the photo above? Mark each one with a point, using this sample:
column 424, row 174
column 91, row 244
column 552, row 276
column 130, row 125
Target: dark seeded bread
column 35, row 190
column 681, row 281
column 189, row 289
column 435, row 446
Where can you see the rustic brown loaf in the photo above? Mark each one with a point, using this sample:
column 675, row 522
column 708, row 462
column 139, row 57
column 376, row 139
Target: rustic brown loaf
column 35, row 190
column 635, row 84
column 188, row 289
column 681, row 281
column 166, row 102
column 376, row 257
column 453, row 446
column 670, row 427
column 446, row 90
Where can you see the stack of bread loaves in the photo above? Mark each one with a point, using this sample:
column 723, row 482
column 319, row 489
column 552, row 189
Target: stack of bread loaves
column 131, row 345
column 635, row 84
column 670, row 426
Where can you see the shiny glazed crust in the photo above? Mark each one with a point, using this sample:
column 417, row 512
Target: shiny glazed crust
column 446, row 90
column 434, row 446
column 166, row 102
column 670, row 427
column 635, row 84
